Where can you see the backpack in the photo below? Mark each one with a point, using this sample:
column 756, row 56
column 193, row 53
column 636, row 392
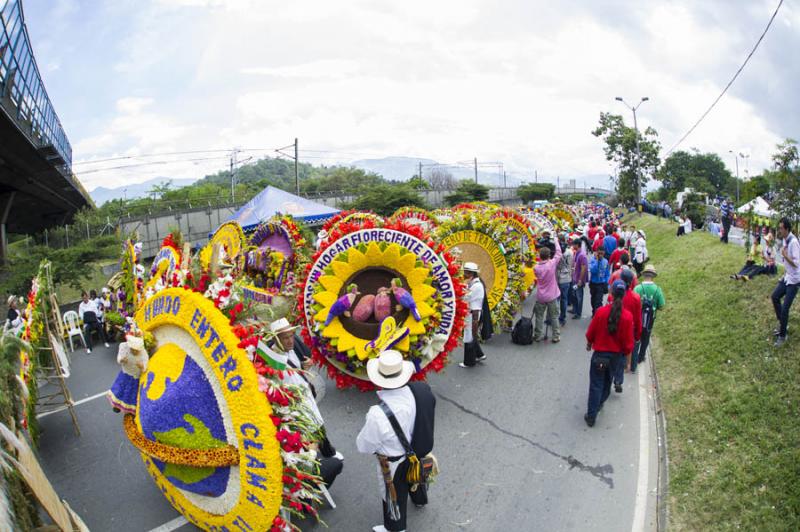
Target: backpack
column 522, row 333
column 648, row 311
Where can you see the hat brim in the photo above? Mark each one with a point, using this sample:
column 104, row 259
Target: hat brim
column 286, row 329
column 389, row 383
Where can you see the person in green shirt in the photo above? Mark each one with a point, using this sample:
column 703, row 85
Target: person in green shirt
column 755, row 261
column 652, row 301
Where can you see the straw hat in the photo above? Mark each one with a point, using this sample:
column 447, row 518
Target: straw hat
column 471, row 267
column 650, row 270
column 281, row 325
column 389, row 370
column 136, row 343
column 323, row 234
column 11, row 299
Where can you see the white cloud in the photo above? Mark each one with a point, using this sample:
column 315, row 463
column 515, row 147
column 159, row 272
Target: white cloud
column 519, row 82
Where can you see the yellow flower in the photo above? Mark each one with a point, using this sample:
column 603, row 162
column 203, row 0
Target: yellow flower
column 357, row 259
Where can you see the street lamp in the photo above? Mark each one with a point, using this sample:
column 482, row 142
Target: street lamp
column 736, row 156
column 638, row 152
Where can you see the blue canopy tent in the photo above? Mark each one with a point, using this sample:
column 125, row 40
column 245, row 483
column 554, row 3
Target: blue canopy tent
column 271, row 201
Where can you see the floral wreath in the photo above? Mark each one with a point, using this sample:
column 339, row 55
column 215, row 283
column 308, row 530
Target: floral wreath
column 231, row 237
column 274, row 267
column 414, row 215
column 482, row 229
column 475, row 206
column 351, row 216
column 411, row 300
column 269, row 428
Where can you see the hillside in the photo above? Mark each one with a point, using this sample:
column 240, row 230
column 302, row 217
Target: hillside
column 100, row 195
column 731, row 398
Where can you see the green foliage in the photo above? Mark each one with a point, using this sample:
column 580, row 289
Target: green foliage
column 620, row 148
column 694, row 206
column 467, row 191
column 730, row 397
column 536, row 191
column 386, row 199
column 757, row 186
column 114, row 319
column 703, row 172
column 787, row 180
column 71, row 265
column 418, row 183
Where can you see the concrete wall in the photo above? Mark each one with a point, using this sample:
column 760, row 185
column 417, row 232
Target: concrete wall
column 196, row 224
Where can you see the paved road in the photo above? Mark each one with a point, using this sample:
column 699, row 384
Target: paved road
column 514, row 450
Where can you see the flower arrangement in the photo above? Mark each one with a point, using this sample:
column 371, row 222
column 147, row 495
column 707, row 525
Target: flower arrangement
column 276, row 255
column 480, row 236
column 351, row 216
column 415, row 216
column 364, row 275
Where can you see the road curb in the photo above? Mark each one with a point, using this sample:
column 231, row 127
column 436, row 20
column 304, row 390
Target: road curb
column 662, row 506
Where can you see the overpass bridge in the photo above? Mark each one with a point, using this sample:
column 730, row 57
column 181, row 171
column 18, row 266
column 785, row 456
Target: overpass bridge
column 37, row 186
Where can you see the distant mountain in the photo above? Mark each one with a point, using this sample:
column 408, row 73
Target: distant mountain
column 393, row 168
column 101, row 195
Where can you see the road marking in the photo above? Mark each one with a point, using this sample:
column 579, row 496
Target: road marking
column 640, row 509
column 76, row 403
column 171, row 525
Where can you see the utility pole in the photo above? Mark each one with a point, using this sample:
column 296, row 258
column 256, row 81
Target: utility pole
column 505, row 182
column 233, row 177
column 736, row 155
column 638, row 152
column 420, row 170
column 536, row 176
column 476, row 169
column 296, row 169
column 558, row 183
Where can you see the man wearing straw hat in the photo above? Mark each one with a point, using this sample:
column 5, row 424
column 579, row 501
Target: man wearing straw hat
column 399, row 432
column 475, row 296
column 652, row 298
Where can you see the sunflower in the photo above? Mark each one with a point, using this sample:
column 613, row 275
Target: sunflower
column 388, row 259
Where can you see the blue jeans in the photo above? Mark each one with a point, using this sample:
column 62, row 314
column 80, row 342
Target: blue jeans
column 787, row 292
column 565, row 288
column 600, row 380
column 577, row 305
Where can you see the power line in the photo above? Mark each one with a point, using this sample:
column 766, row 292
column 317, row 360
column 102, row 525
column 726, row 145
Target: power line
column 736, row 75
column 151, row 163
column 164, row 154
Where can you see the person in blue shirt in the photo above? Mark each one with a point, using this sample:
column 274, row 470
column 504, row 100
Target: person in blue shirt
column 599, row 273
column 610, row 241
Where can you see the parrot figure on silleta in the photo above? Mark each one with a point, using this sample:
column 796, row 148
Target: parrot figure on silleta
column 343, row 304
column 404, row 298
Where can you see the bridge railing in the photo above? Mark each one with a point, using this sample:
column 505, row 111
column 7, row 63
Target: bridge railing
column 22, row 93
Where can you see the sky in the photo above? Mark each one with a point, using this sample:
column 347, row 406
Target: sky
column 517, row 81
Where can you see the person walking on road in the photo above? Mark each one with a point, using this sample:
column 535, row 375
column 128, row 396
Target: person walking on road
column 399, row 432
column 633, row 304
column 598, row 279
column 784, row 294
column 547, row 294
column 564, row 272
column 640, row 255
column 652, row 298
column 726, row 213
column 580, row 275
column 610, row 337
column 475, row 294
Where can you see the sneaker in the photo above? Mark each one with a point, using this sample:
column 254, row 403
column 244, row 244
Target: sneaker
column 780, row 340
column 589, row 421
column 339, row 456
column 537, row 339
column 88, row 351
column 576, row 317
column 462, row 365
column 555, row 340
column 106, row 344
column 618, row 388
column 481, row 358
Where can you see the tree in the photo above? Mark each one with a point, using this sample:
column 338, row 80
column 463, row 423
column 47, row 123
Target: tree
column 441, row 179
column 418, row 183
column 786, row 199
column 757, row 186
column 160, row 189
column 703, row 172
column 467, row 191
column 536, row 191
column 620, row 147
column 385, row 199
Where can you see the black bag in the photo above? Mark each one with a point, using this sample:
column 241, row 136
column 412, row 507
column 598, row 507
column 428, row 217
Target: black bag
column 89, row 317
column 522, row 333
column 648, row 313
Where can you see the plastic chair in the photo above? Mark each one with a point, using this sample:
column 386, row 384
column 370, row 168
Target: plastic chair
column 73, row 326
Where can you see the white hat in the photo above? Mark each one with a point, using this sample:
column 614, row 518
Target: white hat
column 105, row 290
column 136, row 343
column 322, row 234
column 11, row 299
column 389, row 370
column 281, row 325
column 641, row 232
column 471, row 267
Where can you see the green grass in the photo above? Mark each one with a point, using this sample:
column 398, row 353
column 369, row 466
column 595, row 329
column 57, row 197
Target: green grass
column 96, row 281
column 731, row 399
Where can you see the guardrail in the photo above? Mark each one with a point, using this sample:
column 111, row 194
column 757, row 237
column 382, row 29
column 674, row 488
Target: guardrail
column 22, row 92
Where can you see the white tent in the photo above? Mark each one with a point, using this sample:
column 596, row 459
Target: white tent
column 760, row 208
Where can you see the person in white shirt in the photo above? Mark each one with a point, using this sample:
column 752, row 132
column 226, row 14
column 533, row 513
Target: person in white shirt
column 322, row 237
column 784, row 294
column 413, row 408
column 14, row 321
column 640, row 252
column 475, row 294
column 90, row 316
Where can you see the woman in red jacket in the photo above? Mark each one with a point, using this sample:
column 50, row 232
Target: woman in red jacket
column 610, row 335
